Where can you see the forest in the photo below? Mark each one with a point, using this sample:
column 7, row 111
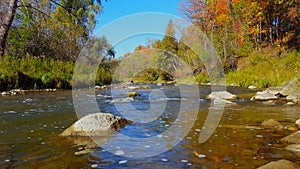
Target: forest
column 258, row 41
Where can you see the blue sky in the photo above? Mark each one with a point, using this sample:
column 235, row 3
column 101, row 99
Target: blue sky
column 125, row 25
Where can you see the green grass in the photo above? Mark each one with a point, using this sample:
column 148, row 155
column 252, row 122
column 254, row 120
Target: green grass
column 40, row 73
column 265, row 71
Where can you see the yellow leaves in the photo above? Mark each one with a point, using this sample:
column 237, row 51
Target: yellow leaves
column 260, row 14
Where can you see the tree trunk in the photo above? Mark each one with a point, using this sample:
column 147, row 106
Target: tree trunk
column 6, row 24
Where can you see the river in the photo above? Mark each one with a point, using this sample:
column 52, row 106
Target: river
column 30, row 126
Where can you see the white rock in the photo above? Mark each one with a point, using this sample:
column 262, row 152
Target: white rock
column 123, row 161
column 201, row 156
column 297, row 123
column 262, row 96
column 119, row 152
column 222, row 95
column 252, row 87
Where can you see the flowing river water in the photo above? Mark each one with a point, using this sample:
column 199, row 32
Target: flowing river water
column 30, row 126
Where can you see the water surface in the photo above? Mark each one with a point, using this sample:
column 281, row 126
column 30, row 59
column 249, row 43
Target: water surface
column 30, row 125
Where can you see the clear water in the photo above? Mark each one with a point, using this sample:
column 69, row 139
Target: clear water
column 30, row 126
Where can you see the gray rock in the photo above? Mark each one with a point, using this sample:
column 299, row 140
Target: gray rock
column 289, row 87
column 273, row 90
column 222, row 95
column 295, row 148
column 265, row 95
column 271, row 123
column 294, row 96
column 98, row 124
column 292, row 138
column 280, row 164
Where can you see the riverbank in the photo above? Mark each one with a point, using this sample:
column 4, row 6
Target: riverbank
column 40, row 73
column 261, row 70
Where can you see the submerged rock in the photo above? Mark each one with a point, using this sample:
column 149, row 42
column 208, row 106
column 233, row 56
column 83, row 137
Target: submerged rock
column 98, row 124
column 222, row 102
column 271, row 123
column 280, row 164
column 132, row 94
column 222, row 95
column 292, row 138
column 295, row 148
column 138, row 87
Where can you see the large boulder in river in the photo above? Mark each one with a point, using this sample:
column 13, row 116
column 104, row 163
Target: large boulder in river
column 294, row 96
column 290, row 87
column 221, row 95
column 280, row 164
column 98, row 124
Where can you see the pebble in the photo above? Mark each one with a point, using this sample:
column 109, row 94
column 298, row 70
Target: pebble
column 184, row 161
column 259, row 136
column 123, row 161
column 189, row 164
column 198, row 130
column 159, row 136
column 164, row 159
column 7, row 160
column 201, row 156
column 210, row 151
column 226, row 159
column 119, row 152
column 94, row 165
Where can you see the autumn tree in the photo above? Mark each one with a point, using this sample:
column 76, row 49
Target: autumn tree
column 55, row 29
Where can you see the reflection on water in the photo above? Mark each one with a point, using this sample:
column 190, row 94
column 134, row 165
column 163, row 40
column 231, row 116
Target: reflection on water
column 30, row 125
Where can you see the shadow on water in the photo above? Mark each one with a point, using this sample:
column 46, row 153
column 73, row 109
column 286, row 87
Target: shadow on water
column 30, row 125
